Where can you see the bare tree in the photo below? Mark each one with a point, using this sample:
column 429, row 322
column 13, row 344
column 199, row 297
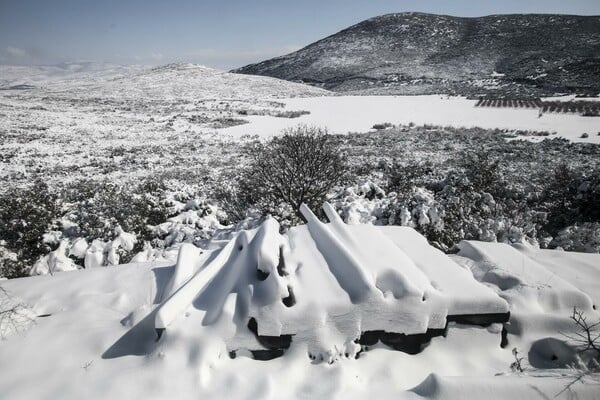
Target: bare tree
column 14, row 316
column 587, row 340
column 587, row 337
column 516, row 365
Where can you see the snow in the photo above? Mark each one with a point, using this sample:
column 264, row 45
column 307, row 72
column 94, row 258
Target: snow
column 55, row 261
column 579, row 269
column 92, row 333
column 345, row 114
column 530, row 285
column 353, row 283
column 98, row 339
column 464, row 295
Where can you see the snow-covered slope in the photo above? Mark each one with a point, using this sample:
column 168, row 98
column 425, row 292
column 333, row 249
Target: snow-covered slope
column 417, row 53
column 225, row 310
column 183, row 81
column 71, row 122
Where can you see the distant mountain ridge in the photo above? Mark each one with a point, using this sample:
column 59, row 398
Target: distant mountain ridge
column 424, row 53
column 172, row 81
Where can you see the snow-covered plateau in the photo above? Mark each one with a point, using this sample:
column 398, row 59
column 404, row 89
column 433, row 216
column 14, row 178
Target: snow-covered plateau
column 115, row 182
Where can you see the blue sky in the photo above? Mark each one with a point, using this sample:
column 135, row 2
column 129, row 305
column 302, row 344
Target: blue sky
column 220, row 33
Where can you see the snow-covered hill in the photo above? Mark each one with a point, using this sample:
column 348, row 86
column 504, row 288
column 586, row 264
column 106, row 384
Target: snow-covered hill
column 173, row 81
column 416, row 53
column 318, row 299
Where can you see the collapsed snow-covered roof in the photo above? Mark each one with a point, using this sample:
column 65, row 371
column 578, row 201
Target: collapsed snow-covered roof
column 325, row 284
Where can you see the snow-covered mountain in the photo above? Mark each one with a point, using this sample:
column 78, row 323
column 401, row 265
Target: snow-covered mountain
column 424, row 53
column 30, row 77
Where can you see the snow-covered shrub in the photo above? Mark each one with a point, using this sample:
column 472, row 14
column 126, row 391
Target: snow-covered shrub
column 100, row 223
column 482, row 171
column 470, row 200
column 102, row 210
column 26, row 214
column 583, row 238
column 572, row 196
column 236, row 196
column 364, row 202
column 301, row 166
column 402, row 178
column 196, row 222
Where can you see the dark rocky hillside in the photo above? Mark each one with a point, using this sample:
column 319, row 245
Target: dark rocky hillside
column 422, row 53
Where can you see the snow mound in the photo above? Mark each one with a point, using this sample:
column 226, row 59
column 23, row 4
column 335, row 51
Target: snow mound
column 523, row 281
column 505, row 387
column 327, row 286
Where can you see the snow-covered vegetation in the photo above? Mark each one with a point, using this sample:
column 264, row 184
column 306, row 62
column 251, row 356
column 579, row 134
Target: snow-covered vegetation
column 448, row 183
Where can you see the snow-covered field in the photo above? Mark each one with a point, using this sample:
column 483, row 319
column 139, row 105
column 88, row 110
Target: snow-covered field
column 94, row 335
column 359, row 113
column 196, row 322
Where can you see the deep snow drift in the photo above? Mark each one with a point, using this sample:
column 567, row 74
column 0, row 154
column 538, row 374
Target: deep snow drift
column 315, row 301
column 321, row 284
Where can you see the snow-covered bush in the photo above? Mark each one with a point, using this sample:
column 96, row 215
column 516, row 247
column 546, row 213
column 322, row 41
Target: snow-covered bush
column 583, row 238
column 113, row 219
column 572, row 196
column 470, row 211
column 301, row 166
column 95, row 209
column 402, row 178
column 26, row 214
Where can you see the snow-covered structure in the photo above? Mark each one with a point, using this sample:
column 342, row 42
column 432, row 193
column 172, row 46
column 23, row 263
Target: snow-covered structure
column 330, row 285
column 320, row 293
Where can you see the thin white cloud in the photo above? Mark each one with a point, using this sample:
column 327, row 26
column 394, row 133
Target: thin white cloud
column 16, row 52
